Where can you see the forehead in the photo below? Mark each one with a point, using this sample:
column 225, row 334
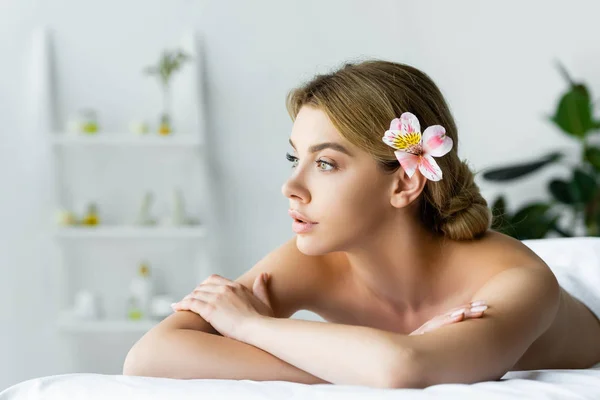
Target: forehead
column 312, row 125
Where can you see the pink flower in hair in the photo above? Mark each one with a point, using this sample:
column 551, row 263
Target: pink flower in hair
column 414, row 151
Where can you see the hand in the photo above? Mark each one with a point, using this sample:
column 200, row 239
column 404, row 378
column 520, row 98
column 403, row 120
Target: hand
column 228, row 306
column 468, row 311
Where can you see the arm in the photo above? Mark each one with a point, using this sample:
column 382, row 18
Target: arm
column 341, row 354
column 189, row 354
column 523, row 304
column 184, row 345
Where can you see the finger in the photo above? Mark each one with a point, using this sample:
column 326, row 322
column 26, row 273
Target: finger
column 262, row 278
column 464, row 306
column 467, row 306
column 256, row 285
column 453, row 316
column 475, row 312
column 456, row 316
column 436, row 323
column 259, row 289
column 210, row 288
column 465, row 313
column 193, row 304
column 443, row 320
column 200, row 295
column 431, row 325
column 218, row 280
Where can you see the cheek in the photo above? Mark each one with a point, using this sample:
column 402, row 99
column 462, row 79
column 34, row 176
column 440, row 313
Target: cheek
column 354, row 208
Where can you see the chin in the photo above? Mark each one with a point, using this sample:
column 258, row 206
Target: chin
column 311, row 245
column 314, row 245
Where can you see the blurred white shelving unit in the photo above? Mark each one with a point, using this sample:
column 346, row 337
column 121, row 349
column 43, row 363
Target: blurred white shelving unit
column 71, row 325
column 43, row 81
column 132, row 232
column 180, row 140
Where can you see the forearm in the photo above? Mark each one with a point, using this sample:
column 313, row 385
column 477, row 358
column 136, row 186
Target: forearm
column 191, row 354
column 341, row 354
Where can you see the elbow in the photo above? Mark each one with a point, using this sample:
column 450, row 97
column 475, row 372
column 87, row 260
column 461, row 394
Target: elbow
column 403, row 373
column 131, row 365
column 141, row 358
column 151, row 355
column 129, row 368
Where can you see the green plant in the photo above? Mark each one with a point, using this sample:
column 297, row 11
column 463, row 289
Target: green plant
column 579, row 195
column 169, row 62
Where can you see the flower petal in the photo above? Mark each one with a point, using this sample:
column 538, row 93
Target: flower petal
column 409, row 123
column 429, row 168
column 390, row 138
column 395, row 125
column 435, row 141
column 408, row 161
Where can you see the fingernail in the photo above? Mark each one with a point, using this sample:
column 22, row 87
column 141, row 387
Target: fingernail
column 478, row 303
column 478, row 309
column 457, row 313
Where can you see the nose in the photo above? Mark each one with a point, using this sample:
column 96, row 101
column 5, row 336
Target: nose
column 294, row 190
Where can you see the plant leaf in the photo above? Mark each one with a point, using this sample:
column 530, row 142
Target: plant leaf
column 533, row 221
column 562, row 232
column 574, row 112
column 563, row 71
column 592, row 155
column 520, row 170
column 561, row 190
column 583, row 186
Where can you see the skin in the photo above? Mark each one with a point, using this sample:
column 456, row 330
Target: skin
column 386, row 284
column 398, row 273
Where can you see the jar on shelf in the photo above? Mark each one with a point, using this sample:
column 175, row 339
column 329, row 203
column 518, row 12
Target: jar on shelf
column 91, row 216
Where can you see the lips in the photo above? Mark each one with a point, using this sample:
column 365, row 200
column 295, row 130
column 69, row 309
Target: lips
column 300, row 217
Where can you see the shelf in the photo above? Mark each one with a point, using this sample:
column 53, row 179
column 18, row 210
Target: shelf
column 133, row 232
column 105, row 325
column 127, row 140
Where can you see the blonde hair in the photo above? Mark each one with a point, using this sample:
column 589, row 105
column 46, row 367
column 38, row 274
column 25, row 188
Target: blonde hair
column 361, row 99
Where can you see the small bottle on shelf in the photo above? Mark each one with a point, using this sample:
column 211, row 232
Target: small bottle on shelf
column 134, row 312
column 165, row 127
column 91, row 216
column 141, row 289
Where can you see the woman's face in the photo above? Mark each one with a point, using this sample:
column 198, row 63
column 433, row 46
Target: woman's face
column 334, row 184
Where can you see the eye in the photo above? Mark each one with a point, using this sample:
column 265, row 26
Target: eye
column 292, row 159
column 327, row 164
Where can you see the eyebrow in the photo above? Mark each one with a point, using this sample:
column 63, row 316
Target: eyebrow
column 326, row 145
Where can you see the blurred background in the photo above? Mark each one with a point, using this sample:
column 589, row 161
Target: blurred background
column 143, row 143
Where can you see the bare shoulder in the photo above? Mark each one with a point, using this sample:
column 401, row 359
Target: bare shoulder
column 503, row 250
column 495, row 265
column 296, row 280
column 493, row 254
column 516, row 276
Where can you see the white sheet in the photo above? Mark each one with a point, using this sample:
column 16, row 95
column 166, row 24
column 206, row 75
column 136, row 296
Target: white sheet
column 575, row 261
column 542, row 384
column 576, row 264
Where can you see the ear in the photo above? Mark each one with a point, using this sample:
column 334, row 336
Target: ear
column 405, row 190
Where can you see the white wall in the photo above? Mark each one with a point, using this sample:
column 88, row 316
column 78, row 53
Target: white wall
column 493, row 61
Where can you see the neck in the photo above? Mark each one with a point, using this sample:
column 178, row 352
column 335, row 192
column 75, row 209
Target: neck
column 400, row 265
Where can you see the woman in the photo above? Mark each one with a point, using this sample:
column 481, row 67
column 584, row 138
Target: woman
column 392, row 232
